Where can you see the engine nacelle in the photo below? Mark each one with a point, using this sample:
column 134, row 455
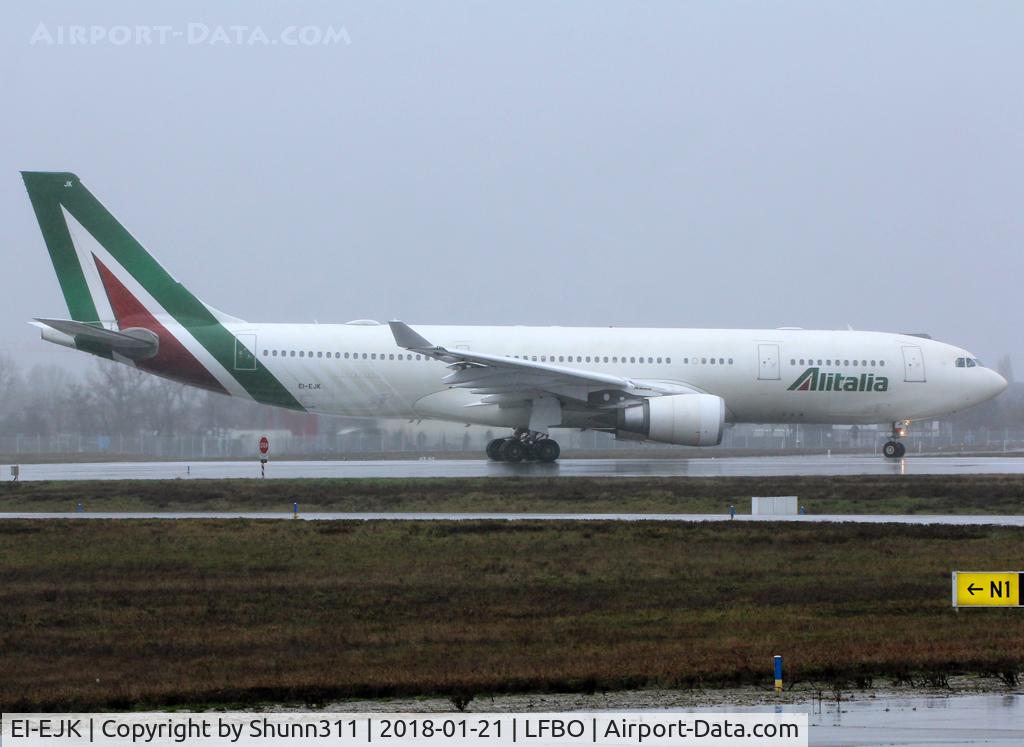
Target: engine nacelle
column 684, row 419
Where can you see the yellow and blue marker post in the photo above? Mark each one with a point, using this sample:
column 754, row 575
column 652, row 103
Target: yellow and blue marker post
column 778, row 675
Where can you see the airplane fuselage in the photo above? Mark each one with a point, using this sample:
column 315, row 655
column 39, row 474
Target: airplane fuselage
column 778, row 375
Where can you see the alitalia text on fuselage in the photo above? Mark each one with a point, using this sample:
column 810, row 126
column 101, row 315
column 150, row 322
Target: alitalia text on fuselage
column 815, row 380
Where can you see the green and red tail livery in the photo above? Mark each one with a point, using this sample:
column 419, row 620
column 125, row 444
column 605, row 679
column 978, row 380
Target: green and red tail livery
column 110, row 281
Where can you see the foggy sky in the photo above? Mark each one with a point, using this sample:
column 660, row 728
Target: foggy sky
column 710, row 164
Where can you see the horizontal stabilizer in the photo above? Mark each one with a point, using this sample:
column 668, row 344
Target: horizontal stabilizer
column 134, row 343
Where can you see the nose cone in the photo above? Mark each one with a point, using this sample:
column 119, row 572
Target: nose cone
column 992, row 384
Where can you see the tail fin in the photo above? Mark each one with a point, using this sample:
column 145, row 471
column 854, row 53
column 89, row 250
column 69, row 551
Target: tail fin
column 109, row 279
column 88, row 246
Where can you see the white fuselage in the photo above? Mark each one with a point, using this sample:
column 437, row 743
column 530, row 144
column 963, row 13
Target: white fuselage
column 783, row 375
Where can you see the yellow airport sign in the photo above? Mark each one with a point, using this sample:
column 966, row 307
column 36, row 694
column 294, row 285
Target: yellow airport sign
column 987, row 588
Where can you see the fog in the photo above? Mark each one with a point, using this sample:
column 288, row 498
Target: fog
column 718, row 164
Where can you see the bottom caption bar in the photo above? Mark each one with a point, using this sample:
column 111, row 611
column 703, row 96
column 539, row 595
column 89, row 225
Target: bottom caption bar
column 314, row 729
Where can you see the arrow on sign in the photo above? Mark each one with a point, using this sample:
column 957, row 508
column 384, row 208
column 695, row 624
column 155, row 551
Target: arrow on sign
column 972, row 589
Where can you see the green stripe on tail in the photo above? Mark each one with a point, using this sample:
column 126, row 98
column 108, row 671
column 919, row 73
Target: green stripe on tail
column 49, row 191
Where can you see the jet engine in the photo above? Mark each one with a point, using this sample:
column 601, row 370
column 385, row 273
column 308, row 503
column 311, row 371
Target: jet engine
column 684, row 419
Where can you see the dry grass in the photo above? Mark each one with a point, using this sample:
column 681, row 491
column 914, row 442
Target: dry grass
column 125, row 614
column 874, row 494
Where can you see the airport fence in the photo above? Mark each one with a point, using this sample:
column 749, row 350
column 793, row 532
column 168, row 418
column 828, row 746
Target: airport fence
column 411, row 442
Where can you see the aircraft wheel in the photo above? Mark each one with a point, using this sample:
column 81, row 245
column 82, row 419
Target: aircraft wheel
column 494, row 449
column 546, row 450
column 513, row 451
column 900, row 450
column 891, row 450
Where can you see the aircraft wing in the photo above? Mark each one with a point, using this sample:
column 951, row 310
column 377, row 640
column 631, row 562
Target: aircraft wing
column 501, row 378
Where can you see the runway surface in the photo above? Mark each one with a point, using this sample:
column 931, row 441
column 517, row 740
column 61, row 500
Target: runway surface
column 626, row 467
column 1010, row 521
column 993, row 719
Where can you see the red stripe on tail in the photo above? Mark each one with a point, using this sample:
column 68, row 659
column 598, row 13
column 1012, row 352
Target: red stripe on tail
column 173, row 359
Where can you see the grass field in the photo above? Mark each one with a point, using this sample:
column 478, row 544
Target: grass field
column 865, row 494
column 118, row 614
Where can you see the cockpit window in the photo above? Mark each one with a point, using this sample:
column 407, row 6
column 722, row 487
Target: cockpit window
column 967, row 362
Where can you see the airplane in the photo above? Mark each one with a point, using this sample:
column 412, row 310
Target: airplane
column 673, row 386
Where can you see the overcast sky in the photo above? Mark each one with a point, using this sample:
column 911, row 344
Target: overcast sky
column 712, row 164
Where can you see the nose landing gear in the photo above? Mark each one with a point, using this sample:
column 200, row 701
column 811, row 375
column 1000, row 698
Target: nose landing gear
column 893, row 449
column 524, row 445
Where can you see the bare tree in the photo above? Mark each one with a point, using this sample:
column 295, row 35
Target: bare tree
column 9, row 380
column 117, row 391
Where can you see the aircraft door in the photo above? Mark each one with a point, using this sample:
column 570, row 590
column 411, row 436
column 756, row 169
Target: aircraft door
column 913, row 363
column 768, row 362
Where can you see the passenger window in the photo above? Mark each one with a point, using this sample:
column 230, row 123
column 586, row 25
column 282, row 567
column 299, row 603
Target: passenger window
column 302, row 353
column 792, row 361
column 704, row 361
column 293, row 354
column 730, row 361
column 319, row 354
column 606, row 359
column 846, row 363
column 668, row 360
column 632, row 359
column 346, row 356
column 275, row 353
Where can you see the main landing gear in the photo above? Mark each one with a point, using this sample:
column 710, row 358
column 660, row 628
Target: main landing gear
column 524, row 445
column 893, row 449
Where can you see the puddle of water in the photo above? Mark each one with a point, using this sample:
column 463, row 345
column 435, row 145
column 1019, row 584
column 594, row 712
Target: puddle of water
column 624, row 467
column 955, row 720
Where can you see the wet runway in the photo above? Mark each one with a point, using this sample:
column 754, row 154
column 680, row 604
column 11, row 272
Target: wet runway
column 958, row 720
column 1008, row 521
column 625, row 467
column 924, row 720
